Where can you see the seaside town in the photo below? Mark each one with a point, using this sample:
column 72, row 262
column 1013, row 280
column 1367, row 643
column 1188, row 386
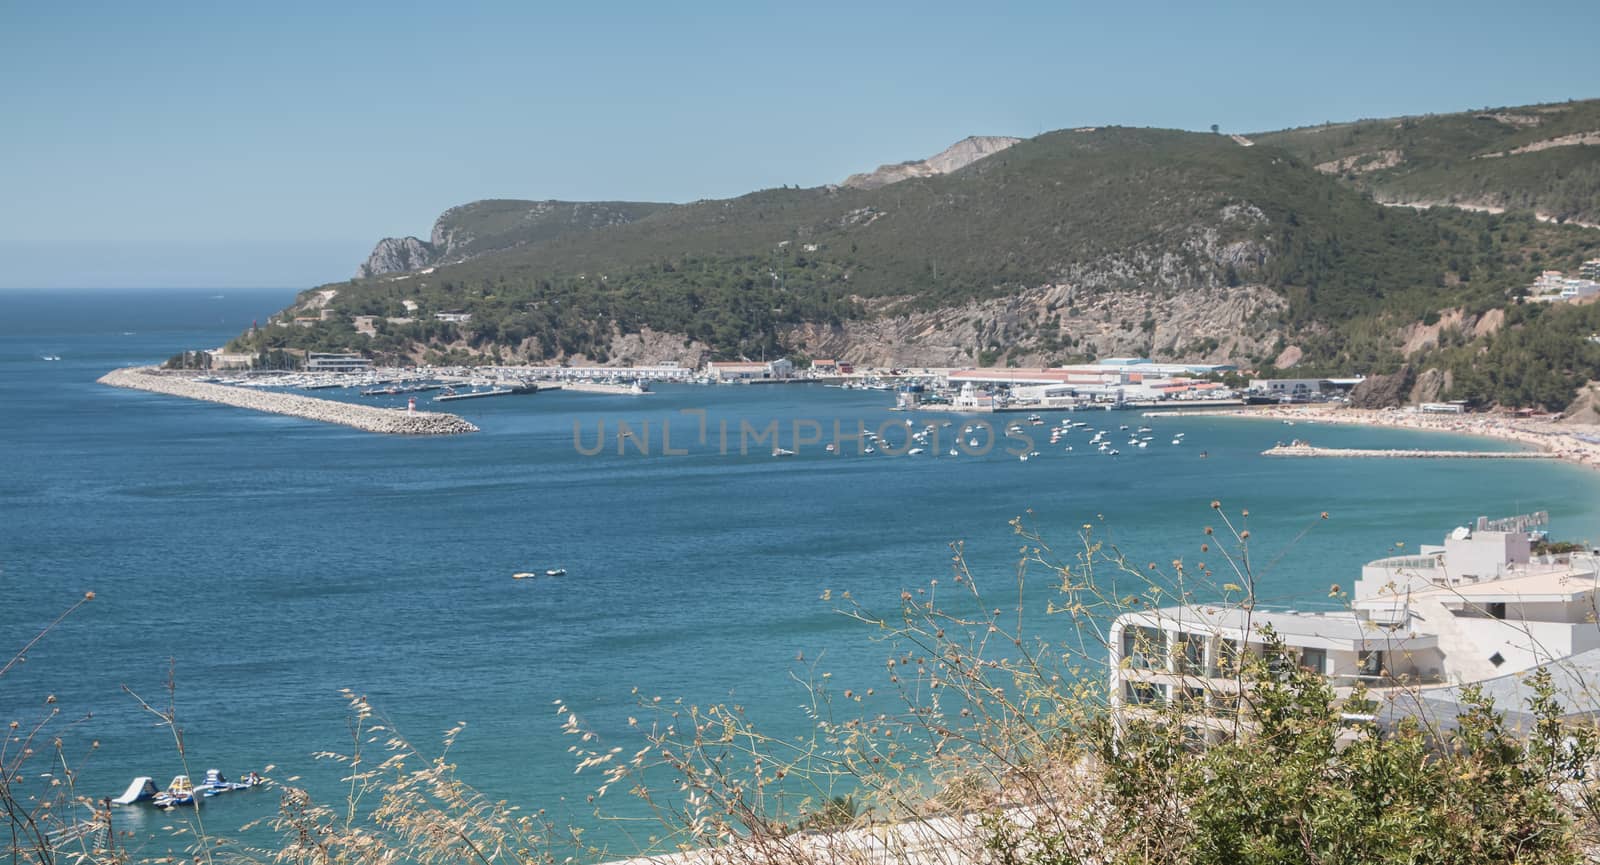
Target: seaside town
column 1122, row 383
column 742, row 434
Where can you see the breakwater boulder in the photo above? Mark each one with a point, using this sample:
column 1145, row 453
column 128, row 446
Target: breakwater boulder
column 367, row 418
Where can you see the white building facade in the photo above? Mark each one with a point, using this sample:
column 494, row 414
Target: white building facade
column 1477, row 607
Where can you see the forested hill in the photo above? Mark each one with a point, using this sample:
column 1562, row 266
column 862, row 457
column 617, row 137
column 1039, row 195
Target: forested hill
column 1540, row 158
column 1074, row 244
column 483, row 227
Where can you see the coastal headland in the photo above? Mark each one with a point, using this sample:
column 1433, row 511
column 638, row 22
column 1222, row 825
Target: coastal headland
column 1577, row 444
column 367, row 418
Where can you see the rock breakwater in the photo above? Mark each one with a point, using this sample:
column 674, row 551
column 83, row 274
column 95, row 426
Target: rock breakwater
column 367, row 418
column 1305, row 450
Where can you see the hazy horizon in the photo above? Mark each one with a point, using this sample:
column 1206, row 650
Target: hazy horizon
column 224, row 146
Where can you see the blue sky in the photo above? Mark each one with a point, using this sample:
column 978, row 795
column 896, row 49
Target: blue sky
column 232, row 144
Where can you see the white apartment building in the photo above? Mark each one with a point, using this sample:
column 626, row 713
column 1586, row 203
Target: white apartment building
column 1476, row 608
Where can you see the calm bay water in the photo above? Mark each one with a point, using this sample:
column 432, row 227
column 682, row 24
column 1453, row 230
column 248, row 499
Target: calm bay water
column 278, row 560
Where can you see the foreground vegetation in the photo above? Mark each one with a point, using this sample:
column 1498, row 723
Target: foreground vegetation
column 1001, row 750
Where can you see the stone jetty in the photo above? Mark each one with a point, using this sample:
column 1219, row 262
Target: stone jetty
column 368, row 418
column 1305, row 450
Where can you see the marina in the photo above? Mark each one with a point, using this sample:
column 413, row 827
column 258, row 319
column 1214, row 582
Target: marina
column 366, row 418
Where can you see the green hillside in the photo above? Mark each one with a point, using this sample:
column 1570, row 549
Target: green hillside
column 493, row 225
column 1467, row 158
column 1114, row 210
column 486, row 226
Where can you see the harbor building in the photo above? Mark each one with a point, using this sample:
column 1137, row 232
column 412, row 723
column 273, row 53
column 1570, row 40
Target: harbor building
column 1287, row 387
column 736, row 371
column 232, row 360
column 1478, row 607
column 328, row 362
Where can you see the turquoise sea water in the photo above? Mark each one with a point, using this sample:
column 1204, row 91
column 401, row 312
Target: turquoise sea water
column 276, row 560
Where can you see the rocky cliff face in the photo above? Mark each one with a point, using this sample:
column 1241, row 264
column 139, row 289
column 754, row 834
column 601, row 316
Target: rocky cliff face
column 953, row 158
column 1052, row 323
column 396, row 255
column 1384, row 391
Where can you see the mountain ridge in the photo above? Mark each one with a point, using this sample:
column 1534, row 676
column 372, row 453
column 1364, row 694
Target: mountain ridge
column 953, row 158
column 1066, row 246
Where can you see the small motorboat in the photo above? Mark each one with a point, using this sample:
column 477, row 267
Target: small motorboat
column 523, row 575
column 954, row 452
column 914, row 451
column 782, row 452
column 556, row 572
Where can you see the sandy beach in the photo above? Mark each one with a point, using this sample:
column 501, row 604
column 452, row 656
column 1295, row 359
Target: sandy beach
column 1579, row 444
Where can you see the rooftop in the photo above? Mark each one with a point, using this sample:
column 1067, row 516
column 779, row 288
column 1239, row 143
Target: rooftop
column 1576, row 680
column 1333, row 630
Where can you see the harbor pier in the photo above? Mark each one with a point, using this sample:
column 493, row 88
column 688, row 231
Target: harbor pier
column 1301, row 449
column 367, row 418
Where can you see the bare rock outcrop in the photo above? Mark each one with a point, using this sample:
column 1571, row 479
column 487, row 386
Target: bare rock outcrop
column 1049, row 324
column 1431, row 386
column 953, row 158
column 653, row 346
column 1384, row 391
column 396, row 255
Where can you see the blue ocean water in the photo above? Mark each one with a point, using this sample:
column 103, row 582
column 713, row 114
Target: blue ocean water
column 275, row 561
